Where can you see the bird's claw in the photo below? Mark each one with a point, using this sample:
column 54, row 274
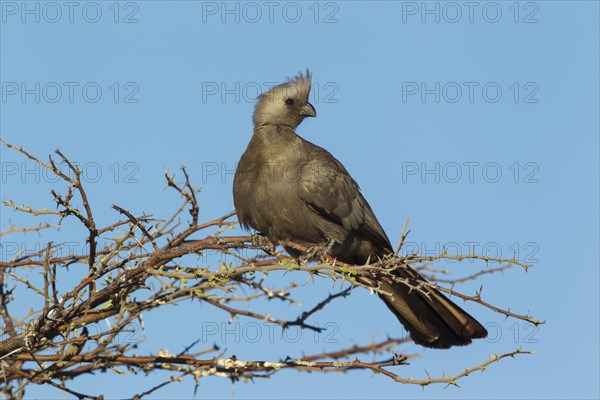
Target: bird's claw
column 316, row 252
column 400, row 359
column 263, row 243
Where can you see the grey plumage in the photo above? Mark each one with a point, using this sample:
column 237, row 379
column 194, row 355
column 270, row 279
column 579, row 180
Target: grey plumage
column 288, row 188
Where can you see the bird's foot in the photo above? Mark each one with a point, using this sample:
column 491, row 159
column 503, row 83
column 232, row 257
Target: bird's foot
column 400, row 359
column 263, row 243
column 316, row 252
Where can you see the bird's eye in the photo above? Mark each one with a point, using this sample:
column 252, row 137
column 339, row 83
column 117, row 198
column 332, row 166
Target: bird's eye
column 289, row 102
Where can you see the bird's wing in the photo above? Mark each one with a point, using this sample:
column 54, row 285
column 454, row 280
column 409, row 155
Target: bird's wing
column 329, row 191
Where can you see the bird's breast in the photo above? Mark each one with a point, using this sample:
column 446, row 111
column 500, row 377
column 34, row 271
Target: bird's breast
column 264, row 187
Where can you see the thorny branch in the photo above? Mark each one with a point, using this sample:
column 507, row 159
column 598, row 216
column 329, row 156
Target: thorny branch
column 141, row 263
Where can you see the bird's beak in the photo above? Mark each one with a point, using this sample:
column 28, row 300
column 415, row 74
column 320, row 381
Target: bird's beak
column 308, row 110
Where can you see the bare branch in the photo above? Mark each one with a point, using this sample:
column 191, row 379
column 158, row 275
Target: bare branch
column 142, row 263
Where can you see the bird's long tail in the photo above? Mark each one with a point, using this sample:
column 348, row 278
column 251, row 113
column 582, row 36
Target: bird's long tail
column 432, row 319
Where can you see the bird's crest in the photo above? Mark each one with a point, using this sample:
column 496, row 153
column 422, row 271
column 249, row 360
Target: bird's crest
column 271, row 107
column 297, row 87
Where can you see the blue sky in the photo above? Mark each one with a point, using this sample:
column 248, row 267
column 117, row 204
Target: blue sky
column 478, row 122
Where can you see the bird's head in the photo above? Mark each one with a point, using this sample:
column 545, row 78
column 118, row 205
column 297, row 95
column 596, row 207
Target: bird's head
column 286, row 104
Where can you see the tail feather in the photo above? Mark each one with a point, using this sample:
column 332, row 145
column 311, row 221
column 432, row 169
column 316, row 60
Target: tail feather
column 432, row 319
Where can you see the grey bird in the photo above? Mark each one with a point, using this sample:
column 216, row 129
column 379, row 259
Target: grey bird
column 290, row 189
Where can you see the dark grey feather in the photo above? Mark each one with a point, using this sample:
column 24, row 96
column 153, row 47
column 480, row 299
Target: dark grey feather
column 290, row 189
